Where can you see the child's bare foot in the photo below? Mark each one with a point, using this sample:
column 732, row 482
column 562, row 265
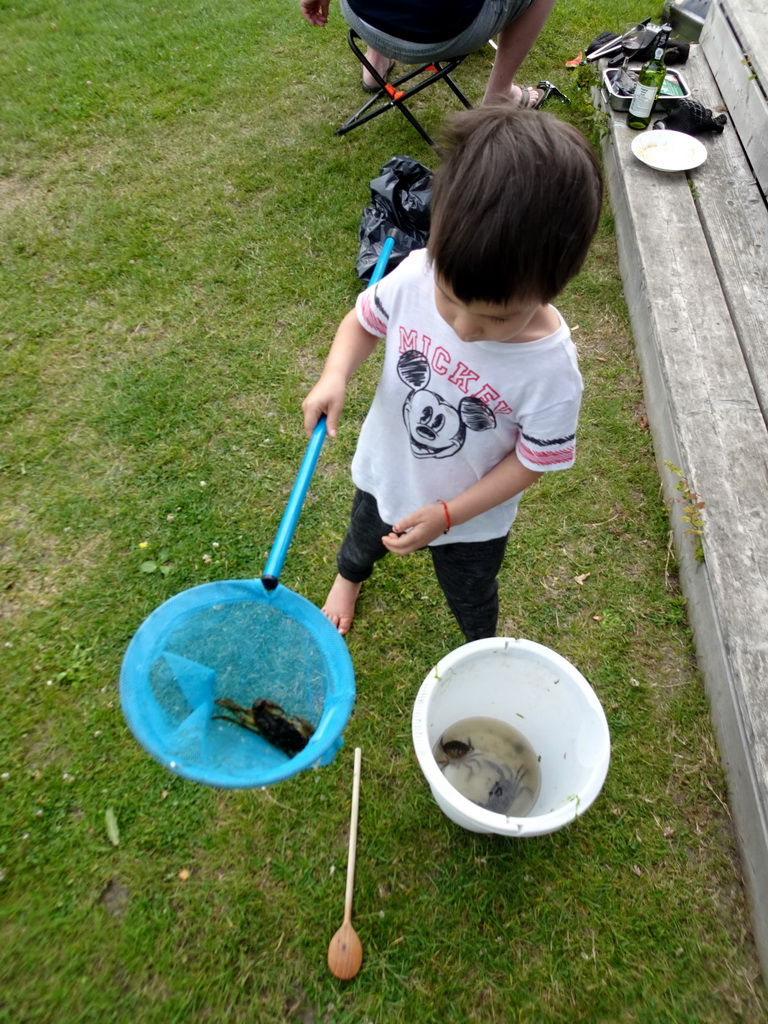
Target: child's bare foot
column 340, row 604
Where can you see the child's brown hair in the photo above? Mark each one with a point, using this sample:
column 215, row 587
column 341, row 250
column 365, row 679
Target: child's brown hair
column 515, row 204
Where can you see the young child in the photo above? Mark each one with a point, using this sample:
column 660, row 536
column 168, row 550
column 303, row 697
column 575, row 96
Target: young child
column 480, row 389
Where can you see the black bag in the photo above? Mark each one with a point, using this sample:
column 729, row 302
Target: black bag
column 675, row 52
column 400, row 198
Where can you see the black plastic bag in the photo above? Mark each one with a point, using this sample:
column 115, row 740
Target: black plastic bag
column 400, row 198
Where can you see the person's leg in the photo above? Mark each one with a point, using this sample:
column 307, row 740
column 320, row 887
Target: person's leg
column 382, row 64
column 467, row 575
column 360, row 549
column 514, row 44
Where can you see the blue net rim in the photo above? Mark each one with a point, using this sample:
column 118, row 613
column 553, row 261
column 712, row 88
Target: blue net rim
column 147, row 644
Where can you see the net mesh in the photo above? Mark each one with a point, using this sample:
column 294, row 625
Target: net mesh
column 236, row 641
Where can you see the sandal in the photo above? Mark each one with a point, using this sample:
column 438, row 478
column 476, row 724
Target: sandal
column 374, row 85
column 544, row 90
column 530, row 97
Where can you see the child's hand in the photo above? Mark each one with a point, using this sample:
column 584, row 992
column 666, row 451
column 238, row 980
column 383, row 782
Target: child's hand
column 327, row 396
column 351, row 347
column 416, row 530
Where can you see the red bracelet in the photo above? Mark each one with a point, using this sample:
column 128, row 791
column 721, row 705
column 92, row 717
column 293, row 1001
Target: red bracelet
column 447, row 514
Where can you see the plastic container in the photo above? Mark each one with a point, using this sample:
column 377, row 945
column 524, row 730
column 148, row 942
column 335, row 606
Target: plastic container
column 619, row 102
column 540, row 694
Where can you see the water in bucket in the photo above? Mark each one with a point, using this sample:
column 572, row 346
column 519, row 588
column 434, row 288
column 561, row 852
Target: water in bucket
column 490, row 763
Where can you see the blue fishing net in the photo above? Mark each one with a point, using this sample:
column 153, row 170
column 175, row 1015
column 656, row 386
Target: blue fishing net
column 240, row 641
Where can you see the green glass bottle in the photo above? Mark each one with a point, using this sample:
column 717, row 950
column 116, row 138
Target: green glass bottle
column 649, row 83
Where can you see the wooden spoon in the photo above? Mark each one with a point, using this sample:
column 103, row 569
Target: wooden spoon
column 345, row 952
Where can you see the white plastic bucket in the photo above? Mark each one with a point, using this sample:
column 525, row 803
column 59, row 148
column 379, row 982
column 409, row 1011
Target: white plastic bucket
column 541, row 695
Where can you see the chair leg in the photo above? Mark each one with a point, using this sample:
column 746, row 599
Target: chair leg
column 457, row 91
column 392, row 94
column 365, row 114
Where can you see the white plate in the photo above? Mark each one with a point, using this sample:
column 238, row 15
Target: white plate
column 669, row 151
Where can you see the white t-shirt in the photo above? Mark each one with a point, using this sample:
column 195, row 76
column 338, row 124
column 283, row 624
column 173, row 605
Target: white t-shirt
column 447, row 411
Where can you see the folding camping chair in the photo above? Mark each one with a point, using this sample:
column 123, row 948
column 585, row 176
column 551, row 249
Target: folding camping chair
column 395, row 94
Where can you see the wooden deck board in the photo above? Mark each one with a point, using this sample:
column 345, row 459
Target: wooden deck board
column 700, row 345
column 735, row 219
column 750, row 19
column 735, row 42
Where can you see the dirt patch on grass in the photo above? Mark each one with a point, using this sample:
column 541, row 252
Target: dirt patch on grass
column 115, row 898
column 38, row 566
column 15, row 192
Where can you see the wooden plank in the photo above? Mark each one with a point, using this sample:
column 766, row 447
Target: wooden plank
column 705, row 418
column 750, row 21
column 735, row 219
column 736, row 53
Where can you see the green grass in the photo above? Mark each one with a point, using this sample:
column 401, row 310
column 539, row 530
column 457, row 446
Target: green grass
column 179, row 229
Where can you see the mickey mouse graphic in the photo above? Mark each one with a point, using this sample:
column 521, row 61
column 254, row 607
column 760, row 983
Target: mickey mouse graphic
column 437, row 429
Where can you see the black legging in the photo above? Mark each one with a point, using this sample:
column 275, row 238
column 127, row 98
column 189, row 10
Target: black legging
column 465, row 571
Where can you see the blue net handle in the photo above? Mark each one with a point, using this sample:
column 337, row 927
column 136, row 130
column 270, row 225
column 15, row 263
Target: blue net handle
column 287, row 526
